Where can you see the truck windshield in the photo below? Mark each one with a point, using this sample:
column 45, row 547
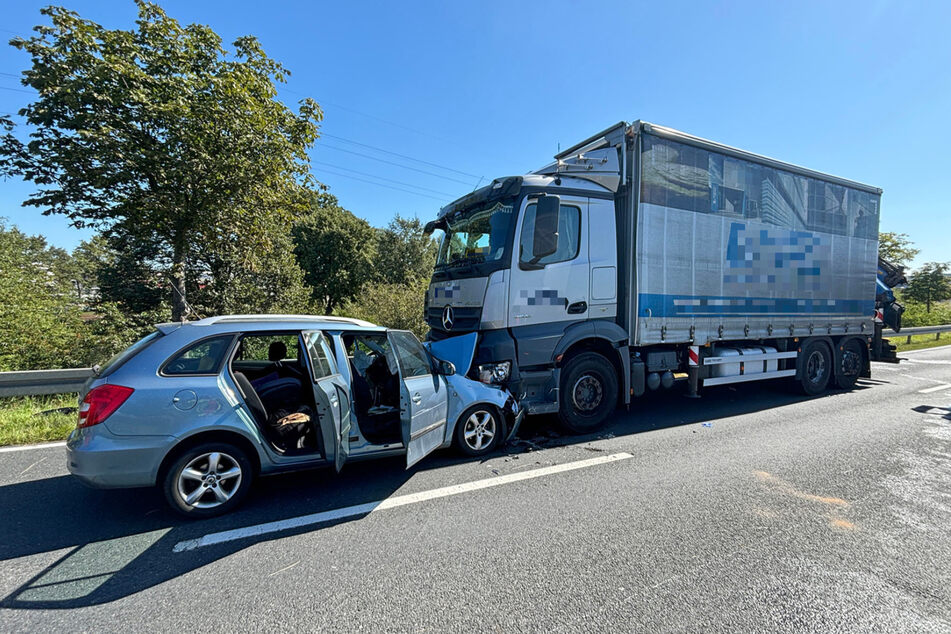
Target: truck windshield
column 476, row 236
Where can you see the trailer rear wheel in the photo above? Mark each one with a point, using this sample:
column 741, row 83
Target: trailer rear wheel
column 815, row 363
column 849, row 364
column 588, row 393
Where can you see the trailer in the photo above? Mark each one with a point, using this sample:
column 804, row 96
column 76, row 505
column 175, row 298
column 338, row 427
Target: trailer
column 643, row 254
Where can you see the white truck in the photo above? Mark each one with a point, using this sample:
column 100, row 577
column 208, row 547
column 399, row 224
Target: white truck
column 643, row 254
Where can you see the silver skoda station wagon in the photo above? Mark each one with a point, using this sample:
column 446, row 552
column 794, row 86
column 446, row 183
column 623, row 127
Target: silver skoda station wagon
column 202, row 408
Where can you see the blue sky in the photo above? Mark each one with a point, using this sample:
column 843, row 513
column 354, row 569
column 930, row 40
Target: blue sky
column 476, row 90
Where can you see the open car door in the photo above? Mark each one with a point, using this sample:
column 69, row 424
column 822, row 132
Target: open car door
column 331, row 396
column 424, row 397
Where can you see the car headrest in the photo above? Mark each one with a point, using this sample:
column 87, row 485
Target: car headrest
column 276, row 351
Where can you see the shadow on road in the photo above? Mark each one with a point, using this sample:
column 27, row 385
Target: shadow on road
column 105, row 545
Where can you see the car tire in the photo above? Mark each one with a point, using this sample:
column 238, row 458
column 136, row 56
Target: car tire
column 478, row 431
column 208, row 480
column 588, row 393
column 815, row 368
column 849, row 364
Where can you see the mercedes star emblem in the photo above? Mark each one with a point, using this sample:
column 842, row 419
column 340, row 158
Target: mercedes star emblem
column 447, row 317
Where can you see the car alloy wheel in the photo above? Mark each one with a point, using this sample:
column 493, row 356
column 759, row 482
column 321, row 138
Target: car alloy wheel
column 209, row 480
column 480, row 429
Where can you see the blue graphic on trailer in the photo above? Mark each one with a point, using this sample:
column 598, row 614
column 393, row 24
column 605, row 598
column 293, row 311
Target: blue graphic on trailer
column 773, row 261
column 766, row 271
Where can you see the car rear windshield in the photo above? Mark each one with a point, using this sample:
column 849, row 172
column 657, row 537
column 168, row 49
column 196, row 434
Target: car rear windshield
column 116, row 361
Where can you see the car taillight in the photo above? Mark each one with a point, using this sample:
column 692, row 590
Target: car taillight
column 101, row 402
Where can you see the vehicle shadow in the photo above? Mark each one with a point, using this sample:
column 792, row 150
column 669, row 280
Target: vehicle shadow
column 105, row 545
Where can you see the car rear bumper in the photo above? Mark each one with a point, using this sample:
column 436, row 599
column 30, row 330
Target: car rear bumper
column 103, row 460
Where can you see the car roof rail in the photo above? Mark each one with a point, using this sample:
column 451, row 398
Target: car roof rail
column 220, row 319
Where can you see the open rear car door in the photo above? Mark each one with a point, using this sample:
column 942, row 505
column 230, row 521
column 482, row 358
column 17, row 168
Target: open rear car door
column 424, row 397
column 332, row 397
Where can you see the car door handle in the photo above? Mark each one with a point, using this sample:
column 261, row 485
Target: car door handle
column 417, row 399
column 577, row 308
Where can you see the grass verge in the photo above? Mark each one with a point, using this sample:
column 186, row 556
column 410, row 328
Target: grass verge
column 919, row 342
column 31, row 419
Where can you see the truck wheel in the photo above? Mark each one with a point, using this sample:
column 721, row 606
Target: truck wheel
column 816, row 367
column 208, row 480
column 478, row 430
column 588, row 393
column 849, row 364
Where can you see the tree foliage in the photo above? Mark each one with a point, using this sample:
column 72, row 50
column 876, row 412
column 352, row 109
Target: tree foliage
column 164, row 140
column 336, row 250
column 929, row 284
column 404, row 253
column 39, row 318
column 392, row 305
column 896, row 248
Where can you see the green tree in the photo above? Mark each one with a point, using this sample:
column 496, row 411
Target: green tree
column 90, row 259
column 929, row 284
column 896, row 248
column 160, row 136
column 336, row 250
column 393, row 305
column 404, row 253
column 39, row 317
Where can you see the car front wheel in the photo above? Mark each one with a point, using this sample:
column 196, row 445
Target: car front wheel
column 208, row 480
column 478, row 430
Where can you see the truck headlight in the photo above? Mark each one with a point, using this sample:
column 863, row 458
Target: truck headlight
column 495, row 372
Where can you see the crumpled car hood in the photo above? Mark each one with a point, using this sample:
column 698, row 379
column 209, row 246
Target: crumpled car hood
column 459, row 351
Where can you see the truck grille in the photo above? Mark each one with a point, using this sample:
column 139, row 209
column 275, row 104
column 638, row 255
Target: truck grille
column 465, row 319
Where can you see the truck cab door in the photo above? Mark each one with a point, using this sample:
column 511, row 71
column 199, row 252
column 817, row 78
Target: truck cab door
column 424, row 397
column 331, row 395
column 546, row 292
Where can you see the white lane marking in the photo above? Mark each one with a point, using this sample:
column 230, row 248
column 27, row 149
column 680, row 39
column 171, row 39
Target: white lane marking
column 876, row 366
column 47, row 445
column 388, row 503
column 936, row 388
column 923, row 378
column 931, row 349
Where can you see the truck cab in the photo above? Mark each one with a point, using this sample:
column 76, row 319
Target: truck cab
column 531, row 264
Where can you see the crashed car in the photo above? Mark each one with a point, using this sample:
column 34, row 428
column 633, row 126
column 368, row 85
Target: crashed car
column 202, row 408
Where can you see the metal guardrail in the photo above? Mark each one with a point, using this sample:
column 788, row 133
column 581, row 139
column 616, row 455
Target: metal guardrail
column 924, row 330
column 37, row 382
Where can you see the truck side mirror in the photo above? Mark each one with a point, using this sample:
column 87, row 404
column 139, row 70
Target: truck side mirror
column 545, row 236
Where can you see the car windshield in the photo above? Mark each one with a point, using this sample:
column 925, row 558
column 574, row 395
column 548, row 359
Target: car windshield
column 476, row 236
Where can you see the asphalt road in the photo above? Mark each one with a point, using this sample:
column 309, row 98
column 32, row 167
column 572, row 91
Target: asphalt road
column 751, row 509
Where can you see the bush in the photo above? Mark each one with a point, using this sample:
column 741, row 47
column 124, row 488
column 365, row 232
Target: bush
column 916, row 315
column 398, row 306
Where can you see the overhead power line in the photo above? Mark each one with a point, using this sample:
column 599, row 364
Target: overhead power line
column 382, row 178
column 357, row 178
column 403, row 156
column 323, row 102
column 29, row 92
column 406, row 167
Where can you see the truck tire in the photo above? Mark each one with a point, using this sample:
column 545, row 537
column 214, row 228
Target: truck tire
column 849, row 362
column 208, row 480
column 588, row 393
column 815, row 367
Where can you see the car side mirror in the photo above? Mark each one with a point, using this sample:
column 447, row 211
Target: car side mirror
column 545, row 236
column 445, row 368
